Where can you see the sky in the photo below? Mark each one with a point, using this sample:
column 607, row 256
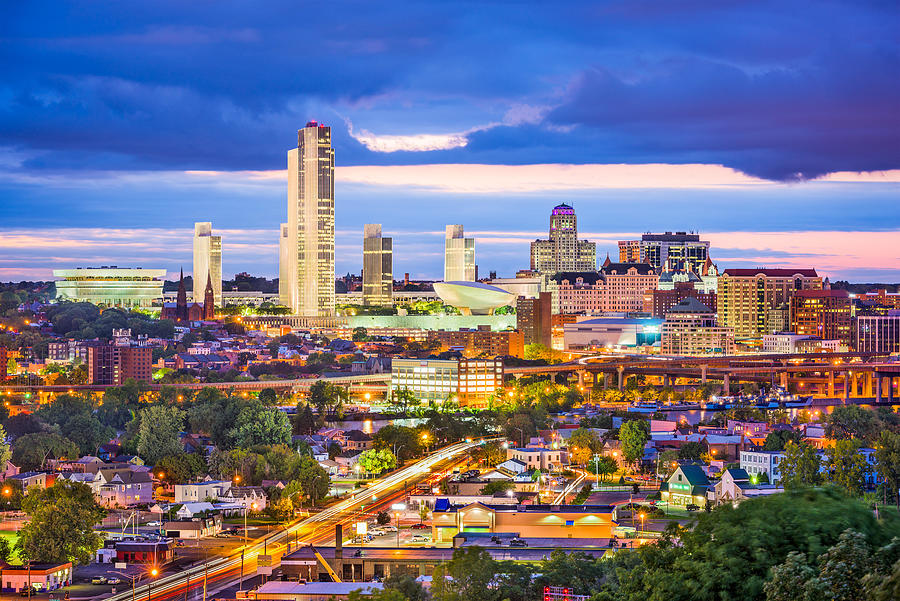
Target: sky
column 772, row 128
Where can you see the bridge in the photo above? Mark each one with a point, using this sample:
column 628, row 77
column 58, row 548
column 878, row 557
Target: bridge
column 855, row 374
column 371, row 383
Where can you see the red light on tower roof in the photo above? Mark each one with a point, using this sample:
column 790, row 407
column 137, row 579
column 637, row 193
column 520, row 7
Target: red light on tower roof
column 312, row 124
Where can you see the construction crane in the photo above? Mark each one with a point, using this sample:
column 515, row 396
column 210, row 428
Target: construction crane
column 328, row 569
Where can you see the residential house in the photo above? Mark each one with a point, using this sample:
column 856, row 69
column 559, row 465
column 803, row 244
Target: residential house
column 28, row 480
column 539, row 458
column 122, row 487
column 200, row 491
column 253, row 497
column 736, row 485
column 196, row 527
column 357, row 440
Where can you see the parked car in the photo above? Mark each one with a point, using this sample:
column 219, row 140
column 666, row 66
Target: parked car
column 518, row 542
column 114, row 581
column 390, row 528
column 419, row 538
column 157, row 524
column 26, row 592
column 419, row 526
column 98, row 580
column 692, row 507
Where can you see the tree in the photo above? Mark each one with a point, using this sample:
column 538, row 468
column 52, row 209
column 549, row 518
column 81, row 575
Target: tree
column 887, row 461
column 360, row 334
column 376, row 461
column 583, row 444
column 603, row 466
column 788, row 582
column 423, row 512
column 383, row 517
column 776, row 441
column 304, row 419
column 327, row 397
column 31, row 452
column 5, row 452
column 498, row 486
column 800, row 466
column 5, row 549
column 403, row 399
column 313, row 479
column 268, row 397
column 402, row 440
column 257, row 425
column 466, row 577
column 690, row 451
column 158, row 432
column 634, row 435
column 181, row 468
column 61, row 524
column 851, row 421
column 847, row 467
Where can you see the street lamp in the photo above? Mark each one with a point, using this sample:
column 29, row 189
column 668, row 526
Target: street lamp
column 398, row 507
column 642, row 516
column 251, row 506
column 153, row 572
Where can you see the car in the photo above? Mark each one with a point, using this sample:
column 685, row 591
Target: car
column 419, row 526
column 156, row 524
column 377, row 532
column 419, row 538
column 28, row 592
column 390, row 528
column 692, row 507
column 98, row 580
column 518, row 542
column 114, row 581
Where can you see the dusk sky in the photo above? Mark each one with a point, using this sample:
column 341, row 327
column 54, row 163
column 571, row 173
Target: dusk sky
column 772, row 128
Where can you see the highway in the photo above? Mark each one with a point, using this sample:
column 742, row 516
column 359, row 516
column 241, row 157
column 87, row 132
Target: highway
column 316, row 529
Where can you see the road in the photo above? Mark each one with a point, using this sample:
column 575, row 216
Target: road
column 315, row 529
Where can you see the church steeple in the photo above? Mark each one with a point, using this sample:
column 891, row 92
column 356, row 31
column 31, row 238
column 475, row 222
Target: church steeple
column 209, row 300
column 181, row 308
column 607, row 262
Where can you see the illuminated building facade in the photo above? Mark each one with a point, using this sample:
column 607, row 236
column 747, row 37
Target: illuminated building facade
column 659, row 302
column 111, row 365
column 533, row 319
column 563, row 251
column 207, row 262
column 690, row 329
column 822, row 313
column 110, row 286
column 472, row 343
column 878, row 333
column 470, row 381
column 625, row 285
column 678, row 251
column 309, row 288
column 459, row 255
column 745, row 296
column 577, row 292
column 378, row 267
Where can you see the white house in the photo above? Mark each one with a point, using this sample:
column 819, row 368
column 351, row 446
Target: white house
column 200, row 491
column 763, row 462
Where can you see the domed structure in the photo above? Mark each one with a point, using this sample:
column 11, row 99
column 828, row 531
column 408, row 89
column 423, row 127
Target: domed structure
column 474, row 298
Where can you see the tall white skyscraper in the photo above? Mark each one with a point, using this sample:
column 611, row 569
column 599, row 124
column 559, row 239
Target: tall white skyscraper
column 310, row 235
column 284, row 296
column 207, row 261
column 459, row 256
column 378, row 268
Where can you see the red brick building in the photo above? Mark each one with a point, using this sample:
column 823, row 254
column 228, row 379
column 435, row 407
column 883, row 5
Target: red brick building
column 822, row 313
column 660, row 302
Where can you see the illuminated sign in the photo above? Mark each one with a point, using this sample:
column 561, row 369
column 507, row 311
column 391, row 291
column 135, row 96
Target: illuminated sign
column 677, row 486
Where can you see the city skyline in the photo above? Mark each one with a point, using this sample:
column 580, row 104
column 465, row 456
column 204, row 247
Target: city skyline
column 784, row 153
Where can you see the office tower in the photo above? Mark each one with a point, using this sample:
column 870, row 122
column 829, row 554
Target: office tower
column 459, row 256
column 878, row 333
column 745, row 296
column 563, row 251
column 678, row 251
column 111, row 365
column 533, row 319
column 207, row 261
column 310, row 262
column 659, row 302
column 378, row 269
column 284, row 297
column 822, row 313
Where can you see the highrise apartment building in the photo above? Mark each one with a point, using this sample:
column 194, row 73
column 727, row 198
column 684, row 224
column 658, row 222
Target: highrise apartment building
column 459, row 256
column 822, row 313
column 878, row 333
column 671, row 251
column 746, row 296
column 378, row 267
column 111, row 365
column 207, row 262
column 563, row 251
column 310, row 235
